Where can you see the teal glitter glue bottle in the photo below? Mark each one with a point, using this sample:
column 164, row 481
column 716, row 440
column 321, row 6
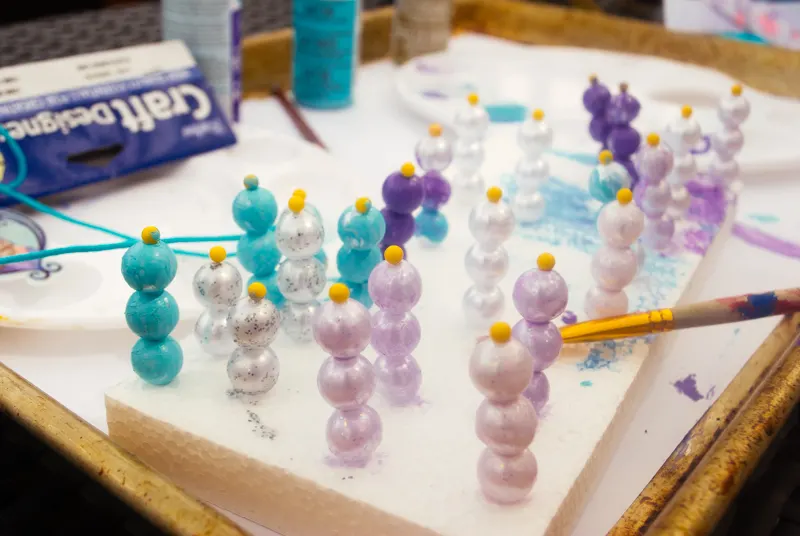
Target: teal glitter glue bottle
column 326, row 52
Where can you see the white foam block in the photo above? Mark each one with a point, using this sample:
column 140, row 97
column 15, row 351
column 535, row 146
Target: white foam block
column 270, row 463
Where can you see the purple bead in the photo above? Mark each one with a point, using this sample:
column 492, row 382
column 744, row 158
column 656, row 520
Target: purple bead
column 395, row 334
column 538, row 391
column 624, row 141
column 436, row 190
column 507, row 479
column 353, row 435
column 543, row 342
column 540, row 296
column 346, row 383
column 342, row 329
column 507, row 429
column 596, row 97
column 399, row 378
column 622, row 108
column 399, row 228
column 395, row 288
column 599, row 129
column 402, row 194
column 569, row 317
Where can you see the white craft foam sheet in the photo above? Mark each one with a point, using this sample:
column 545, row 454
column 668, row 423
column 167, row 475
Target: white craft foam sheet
column 270, row 462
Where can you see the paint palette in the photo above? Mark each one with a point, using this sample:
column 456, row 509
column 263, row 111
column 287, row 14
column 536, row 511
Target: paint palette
column 225, row 451
column 554, row 78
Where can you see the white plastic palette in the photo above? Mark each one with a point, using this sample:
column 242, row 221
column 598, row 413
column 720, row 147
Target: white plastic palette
column 554, row 78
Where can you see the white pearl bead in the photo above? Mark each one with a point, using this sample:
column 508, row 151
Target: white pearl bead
column 728, row 142
column 535, row 137
column 468, row 156
column 685, row 169
column 614, row 269
column 491, row 224
column 301, row 280
column 528, row 207
column 653, row 163
column 532, row 172
column 656, row 198
column 501, row 372
column 681, row 200
column 213, row 333
column 482, row 306
column 297, row 320
column 685, row 132
column 472, row 123
column 486, row 268
column 620, row 225
column 434, row 153
column 602, row 303
column 733, row 110
column 724, row 170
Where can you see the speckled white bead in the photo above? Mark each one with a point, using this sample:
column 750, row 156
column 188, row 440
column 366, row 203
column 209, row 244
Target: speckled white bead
column 297, row 320
column 254, row 323
column 217, row 283
column 253, row 371
column 491, row 224
column 301, row 280
column 299, row 235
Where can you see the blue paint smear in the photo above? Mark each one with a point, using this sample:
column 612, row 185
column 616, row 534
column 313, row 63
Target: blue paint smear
column 584, row 159
column 744, row 36
column 758, row 306
column 507, row 113
column 764, row 218
column 586, row 383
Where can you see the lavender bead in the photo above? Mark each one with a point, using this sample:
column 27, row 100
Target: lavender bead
column 620, row 225
column 342, row 329
column 399, row 378
column 543, row 341
column 507, row 429
column 403, row 191
column 540, row 295
column 500, row 372
column 346, row 383
column 596, row 97
column 504, row 479
column 654, row 161
column 436, row 189
column 354, row 435
column 395, row 335
column 395, row 288
column 538, row 391
column 399, row 228
column 654, row 199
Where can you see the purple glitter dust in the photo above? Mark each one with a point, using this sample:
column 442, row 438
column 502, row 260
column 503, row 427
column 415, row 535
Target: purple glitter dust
column 569, row 317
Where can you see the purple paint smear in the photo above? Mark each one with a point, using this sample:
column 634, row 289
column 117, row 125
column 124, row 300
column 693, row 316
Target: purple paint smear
column 762, row 240
column 688, row 388
column 569, row 317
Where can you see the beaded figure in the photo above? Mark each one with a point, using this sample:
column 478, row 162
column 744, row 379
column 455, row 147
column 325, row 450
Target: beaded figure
column 653, row 194
column 255, row 210
column 535, row 138
column 346, row 379
column 682, row 135
column 608, row 178
column 434, row 154
column 540, row 295
column 623, row 139
column 403, row 193
column 217, row 285
column 301, row 277
column 733, row 110
column 471, row 125
column 321, row 255
column 361, row 228
column 595, row 100
column 253, row 367
column 506, row 421
column 396, row 287
column 148, row 267
column 615, row 264
column 491, row 223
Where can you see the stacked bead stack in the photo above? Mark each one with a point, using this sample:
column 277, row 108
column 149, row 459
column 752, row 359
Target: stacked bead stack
column 217, row 285
column 321, row 255
column 733, row 111
column 595, row 100
column 623, row 139
column 396, row 287
column 301, row 277
column 403, row 193
column 254, row 211
column 361, row 229
column 346, row 379
column 535, row 138
column 253, row 367
column 505, row 421
column 471, row 125
column 653, row 194
column 682, row 135
column 491, row 223
column 615, row 264
column 540, row 295
column 148, row 267
column 434, row 154
column 608, row 178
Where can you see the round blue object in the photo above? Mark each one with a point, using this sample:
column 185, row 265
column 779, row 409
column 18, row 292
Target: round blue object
column 361, row 231
column 360, row 293
column 152, row 316
column 149, row 267
column 606, row 180
column 255, row 210
column 322, row 257
column 259, row 255
column 355, row 265
column 432, row 224
column 157, row 362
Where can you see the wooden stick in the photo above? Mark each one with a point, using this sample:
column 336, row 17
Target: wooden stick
column 297, row 118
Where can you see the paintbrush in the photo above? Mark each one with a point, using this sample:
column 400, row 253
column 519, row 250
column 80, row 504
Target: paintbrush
column 709, row 313
column 297, row 118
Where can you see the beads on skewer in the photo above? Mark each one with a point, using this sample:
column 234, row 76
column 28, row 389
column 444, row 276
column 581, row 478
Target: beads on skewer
column 471, row 125
column 535, row 138
column 301, row 277
column 623, row 139
column 361, row 228
column 653, row 194
column 346, row 380
column 540, row 296
column 595, row 100
column 253, row 367
column 299, row 192
column 148, row 267
column 682, row 135
column 733, row 111
column 615, row 264
column 396, row 287
column 403, row 193
column 491, row 223
column 505, row 421
column 217, row 285
column 434, row 154
column 608, row 178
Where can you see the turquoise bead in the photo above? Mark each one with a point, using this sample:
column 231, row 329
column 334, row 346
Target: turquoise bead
column 356, row 264
column 361, row 231
column 258, row 254
column 255, row 211
column 360, row 293
column 152, row 316
column 157, row 362
column 432, row 225
column 270, row 282
column 149, row 267
column 604, row 187
column 322, row 257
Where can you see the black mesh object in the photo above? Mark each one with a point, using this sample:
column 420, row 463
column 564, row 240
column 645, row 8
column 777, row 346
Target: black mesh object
column 43, row 494
column 105, row 29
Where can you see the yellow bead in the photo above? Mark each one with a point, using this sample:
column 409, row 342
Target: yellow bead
column 494, row 194
column 299, row 193
column 257, row 291
column 606, row 157
column 736, row 90
column 407, row 170
column 251, row 182
column 500, row 332
column 150, row 235
column 363, row 204
column 653, row 139
column 393, row 254
column 218, row 254
column 473, row 99
column 296, row 203
column 592, row 78
column 546, row 262
column 624, row 196
column 435, row 130
column 686, row 112
column 538, row 115
column 339, row 293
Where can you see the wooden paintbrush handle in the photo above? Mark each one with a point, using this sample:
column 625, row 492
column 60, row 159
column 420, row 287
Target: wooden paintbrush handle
column 738, row 308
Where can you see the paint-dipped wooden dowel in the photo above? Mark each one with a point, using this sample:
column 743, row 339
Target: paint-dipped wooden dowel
column 709, row 313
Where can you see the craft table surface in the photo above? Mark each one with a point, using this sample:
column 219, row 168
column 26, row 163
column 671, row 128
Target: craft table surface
column 375, row 136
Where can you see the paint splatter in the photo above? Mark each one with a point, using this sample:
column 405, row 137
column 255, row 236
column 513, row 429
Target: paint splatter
column 753, row 305
column 586, row 383
column 760, row 239
column 434, row 94
column 604, row 354
column 506, row 113
column 688, row 388
column 569, row 317
column 764, row 218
